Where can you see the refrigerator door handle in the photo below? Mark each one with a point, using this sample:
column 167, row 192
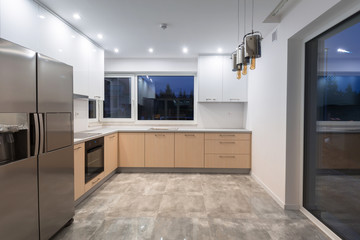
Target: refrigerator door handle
column 42, row 129
column 36, row 124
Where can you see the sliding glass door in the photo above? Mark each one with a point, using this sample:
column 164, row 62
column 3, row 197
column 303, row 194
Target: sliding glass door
column 332, row 128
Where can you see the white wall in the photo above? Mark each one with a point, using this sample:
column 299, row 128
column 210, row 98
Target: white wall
column 268, row 108
column 209, row 115
column 135, row 65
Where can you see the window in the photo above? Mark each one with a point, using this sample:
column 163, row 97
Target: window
column 92, row 109
column 165, row 97
column 332, row 128
column 117, row 102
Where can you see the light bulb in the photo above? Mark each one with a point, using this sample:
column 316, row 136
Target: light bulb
column 244, row 70
column 252, row 66
column 238, row 74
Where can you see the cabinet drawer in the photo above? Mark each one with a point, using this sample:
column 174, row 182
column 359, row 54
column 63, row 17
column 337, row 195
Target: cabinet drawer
column 227, row 146
column 227, row 161
column 94, row 181
column 227, row 136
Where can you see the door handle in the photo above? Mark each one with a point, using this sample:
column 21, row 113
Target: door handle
column 41, row 121
column 36, row 124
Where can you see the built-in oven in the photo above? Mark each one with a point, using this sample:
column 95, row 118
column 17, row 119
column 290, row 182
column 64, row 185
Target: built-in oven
column 94, row 158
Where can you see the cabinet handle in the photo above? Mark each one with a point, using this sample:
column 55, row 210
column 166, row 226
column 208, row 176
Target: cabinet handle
column 77, row 148
column 189, row 135
column 234, row 99
column 227, row 135
column 159, row 135
column 97, row 97
column 227, row 156
column 227, row 142
column 214, row 99
column 98, row 179
column 111, row 136
column 208, row 99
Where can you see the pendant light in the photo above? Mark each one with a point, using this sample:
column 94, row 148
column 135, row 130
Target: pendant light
column 236, row 65
column 241, row 60
column 252, row 43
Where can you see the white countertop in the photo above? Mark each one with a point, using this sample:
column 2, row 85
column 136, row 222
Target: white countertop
column 109, row 130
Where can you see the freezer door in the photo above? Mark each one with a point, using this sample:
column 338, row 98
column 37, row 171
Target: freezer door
column 19, row 200
column 17, row 78
column 56, row 190
column 55, row 85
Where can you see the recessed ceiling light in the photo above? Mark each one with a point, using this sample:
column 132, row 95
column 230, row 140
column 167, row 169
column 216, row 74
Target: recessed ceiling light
column 151, row 50
column 76, row 16
column 116, row 50
column 42, row 16
column 185, row 50
column 100, row 36
column 73, row 36
column 219, row 50
column 60, row 50
column 340, row 50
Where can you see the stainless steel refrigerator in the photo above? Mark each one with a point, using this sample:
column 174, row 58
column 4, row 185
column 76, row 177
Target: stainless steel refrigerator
column 36, row 144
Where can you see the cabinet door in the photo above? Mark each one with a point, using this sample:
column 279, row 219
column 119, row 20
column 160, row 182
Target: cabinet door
column 79, row 170
column 19, row 23
column 189, row 150
column 159, row 150
column 131, row 150
column 111, row 153
column 96, row 73
column 234, row 90
column 81, row 64
column 210, row 78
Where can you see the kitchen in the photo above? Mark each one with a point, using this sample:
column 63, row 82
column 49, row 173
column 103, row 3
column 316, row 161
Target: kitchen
column 165, row 142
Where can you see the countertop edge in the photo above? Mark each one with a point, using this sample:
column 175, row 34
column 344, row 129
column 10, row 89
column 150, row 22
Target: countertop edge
column 105, row 132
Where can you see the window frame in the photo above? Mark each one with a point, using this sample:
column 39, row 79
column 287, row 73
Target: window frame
column 167, row 122
column 134, row 101
column 96, row 119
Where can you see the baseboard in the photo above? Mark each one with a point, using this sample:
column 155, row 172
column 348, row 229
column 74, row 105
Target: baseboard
column 184, row 170
column 268, row 190
column 319, row 224
column 292, row 207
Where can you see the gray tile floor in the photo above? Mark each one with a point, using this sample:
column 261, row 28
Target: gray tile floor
column 185, row 206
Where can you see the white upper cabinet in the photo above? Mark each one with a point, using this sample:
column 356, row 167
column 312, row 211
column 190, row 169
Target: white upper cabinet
column 96, row 74
column 29, row 25
column 19, row 22
column 217, row 81
column 210, row 78
column 234, row 90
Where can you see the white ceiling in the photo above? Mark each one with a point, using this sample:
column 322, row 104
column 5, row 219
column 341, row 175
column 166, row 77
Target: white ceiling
column 133, row 26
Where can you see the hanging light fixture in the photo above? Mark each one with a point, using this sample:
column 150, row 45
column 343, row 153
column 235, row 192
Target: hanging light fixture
column 236, row 66
column 240, row 65
column 252, row 43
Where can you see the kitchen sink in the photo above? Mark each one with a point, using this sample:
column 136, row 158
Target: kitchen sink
column 162, row 129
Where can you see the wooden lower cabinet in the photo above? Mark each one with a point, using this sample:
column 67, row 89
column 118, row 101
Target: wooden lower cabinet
column 79, row 170
column 131, row 150
column 228, row 150
column 189, row 150
column 159, row 150
column 110, row 153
